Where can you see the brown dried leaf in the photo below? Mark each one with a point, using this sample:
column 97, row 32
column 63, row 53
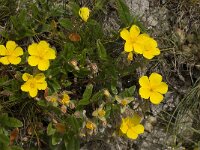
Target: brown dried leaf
column 60, row 127
column 14, row 135
column 74, row 37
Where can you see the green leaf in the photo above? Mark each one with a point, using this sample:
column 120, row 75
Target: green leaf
column 42, row 103
column 128, row 92
column 99, row 4
column 71, row 142
column 4, row 139
column 97, row 96
column 83, row 102
column 65, row 23
column 10, row 122
column 53, row 84
column 50, row 129
column 124, row 12
column 56, row 139
column 88, row 91
column 16, row 148
column 75, row 8
column 75, row 123
column 114, row 89
column 86, row 95
column 101, row 51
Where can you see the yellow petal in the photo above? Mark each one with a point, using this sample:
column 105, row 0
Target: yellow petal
column 50, row 54
column 25, row 87
column 118, row 99
column 42, row 48
column 125, row 34
column 162, row 88
column 43, row 65
column 26, row 76
column 130, row 56
column 128, row 47
column 84, row 13
column 40, row 77
column 139, row 129
column 138, row 48
column 124, row 127
column 155, row 79
column 4, row 60
column 11, row 45
column 32, row 49
column 144, row 92
column 134, row 31
column 43, row 45
column 148, row 54
column 2, row 50
column 156, row 51
column 33, row 92
column 14, row 60
column 131, row 134
column 95, row 113
column 18, row 51
column 33, row 60
column 136, row 119
column 152, row 43
column 42, row 85
column 156, row 97
column 144, row 82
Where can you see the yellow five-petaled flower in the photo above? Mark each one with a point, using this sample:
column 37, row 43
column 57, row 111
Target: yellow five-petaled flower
column 84, row 13
column 10, row 53
column 33, row 83
column 131, row 126
column 152, row 87
column 40, row 53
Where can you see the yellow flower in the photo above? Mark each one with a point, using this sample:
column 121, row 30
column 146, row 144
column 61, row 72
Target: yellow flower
column 66, row 99
column 100, row 113
column 84, row 13
column 90, row 125
column 134, row 40
column 33, row 83
column 10, row 53
column 152, row 87
column 150, row 48
column 132, row 127
column 40, row 53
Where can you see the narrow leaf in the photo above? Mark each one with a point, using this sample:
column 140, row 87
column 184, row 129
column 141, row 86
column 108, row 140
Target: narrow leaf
column 50, row 129
column 124, row 12
column 101, row 51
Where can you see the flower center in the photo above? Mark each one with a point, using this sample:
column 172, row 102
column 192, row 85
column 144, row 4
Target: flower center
column 32, row 85
column 124, row 102
column 101, row 113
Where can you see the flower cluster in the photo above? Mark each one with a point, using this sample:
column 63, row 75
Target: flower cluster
column 131, row 126
column 63, row 99
column 40, row 53
column 139, row 43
